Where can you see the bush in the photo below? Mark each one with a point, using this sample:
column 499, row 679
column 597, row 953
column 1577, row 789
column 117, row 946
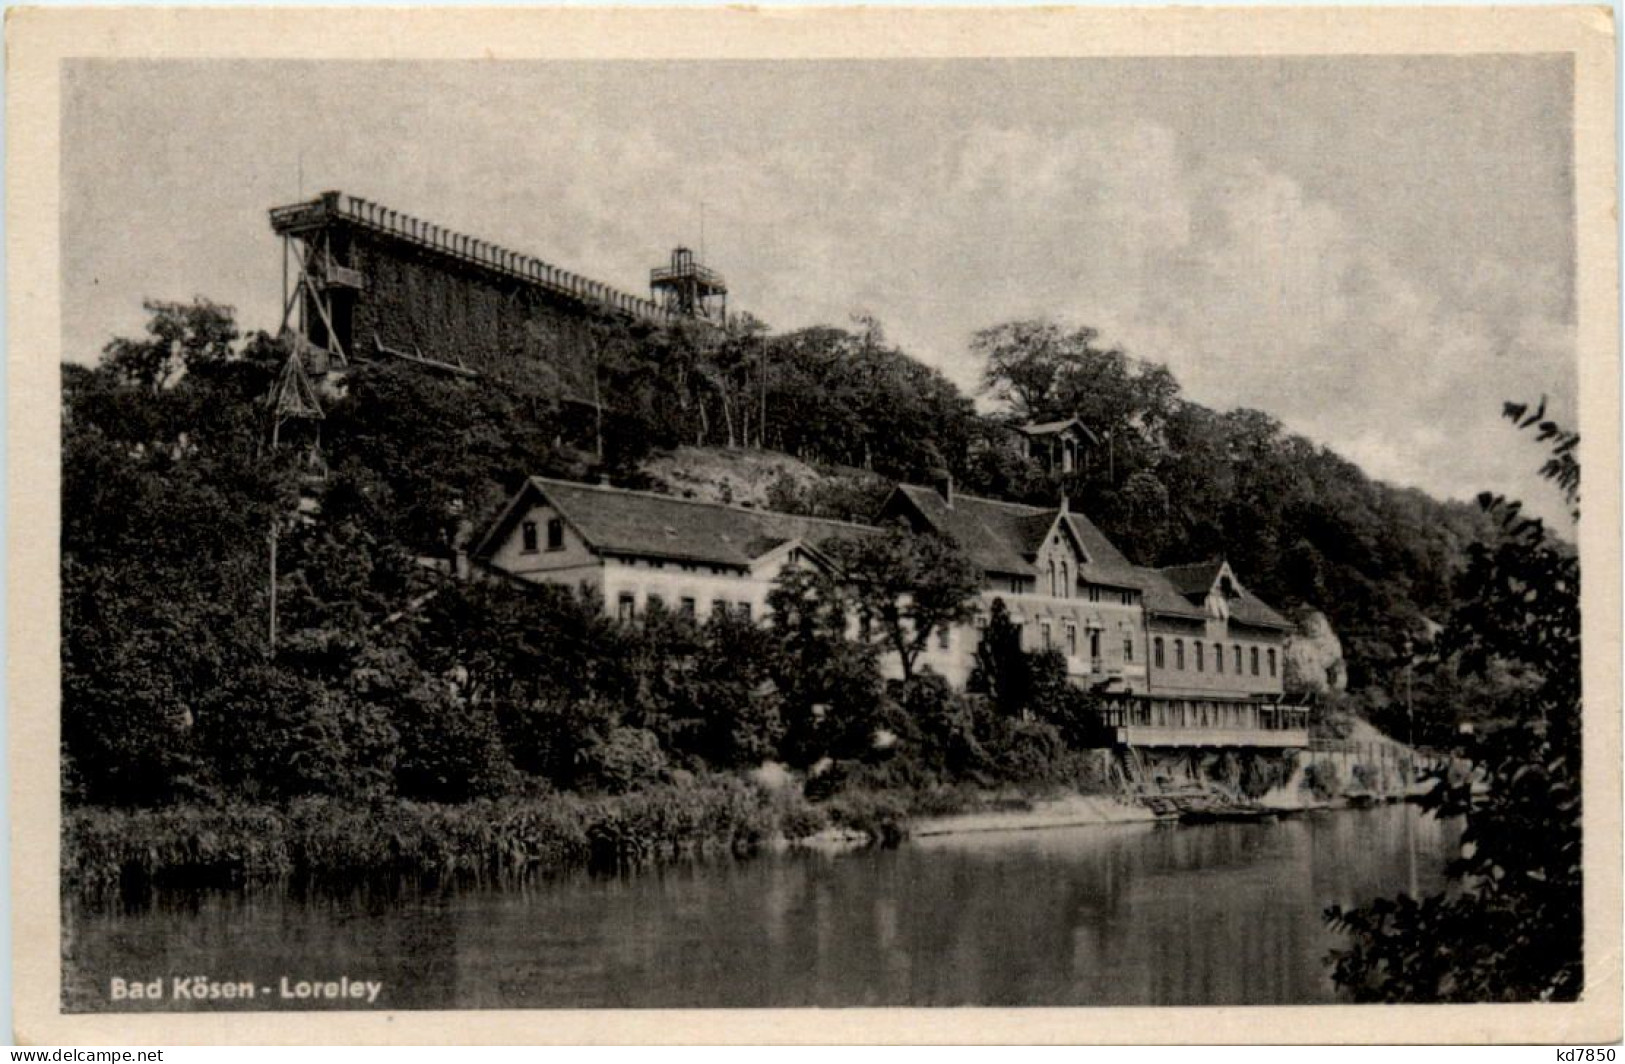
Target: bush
column 624, row 760
column 451, row 749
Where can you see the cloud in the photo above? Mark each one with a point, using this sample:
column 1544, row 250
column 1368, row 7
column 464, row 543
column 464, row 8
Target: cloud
column 1246, row 272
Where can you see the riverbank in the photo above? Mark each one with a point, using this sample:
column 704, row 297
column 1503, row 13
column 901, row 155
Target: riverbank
column 240, row 844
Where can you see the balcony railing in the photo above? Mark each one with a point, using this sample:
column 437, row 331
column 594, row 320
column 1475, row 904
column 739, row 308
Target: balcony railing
column 703, row 274
column 1196, row 722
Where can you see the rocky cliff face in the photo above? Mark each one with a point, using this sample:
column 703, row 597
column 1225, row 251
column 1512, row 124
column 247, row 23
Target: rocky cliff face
column 1314, row 657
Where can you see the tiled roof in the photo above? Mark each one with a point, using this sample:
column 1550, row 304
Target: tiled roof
column 1002, row 537
column 617, row 521
column 1180, row 590
column 990, row 533
column 1249, row 609
column 1194, row 579
column 1162, row 597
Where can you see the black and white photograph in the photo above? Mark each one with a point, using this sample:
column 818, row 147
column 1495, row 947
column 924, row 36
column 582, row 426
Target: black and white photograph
column 828, row 531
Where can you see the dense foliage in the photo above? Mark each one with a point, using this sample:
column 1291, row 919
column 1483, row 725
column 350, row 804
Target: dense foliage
column 1510, row 928
column 388, row 679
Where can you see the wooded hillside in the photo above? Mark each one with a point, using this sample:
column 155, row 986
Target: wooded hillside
column 170, row 490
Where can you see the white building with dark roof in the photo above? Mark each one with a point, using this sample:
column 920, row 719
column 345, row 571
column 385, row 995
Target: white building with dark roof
column 639, row 549
column 1184, row 656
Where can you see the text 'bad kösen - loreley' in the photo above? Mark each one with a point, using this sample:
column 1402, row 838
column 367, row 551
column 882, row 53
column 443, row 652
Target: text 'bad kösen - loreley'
column 203, row 988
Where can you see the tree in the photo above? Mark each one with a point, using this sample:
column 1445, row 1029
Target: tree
column 833, row 695
column 1002, row 670
column 1511, row 929
column 905, row 587
column 180, row 337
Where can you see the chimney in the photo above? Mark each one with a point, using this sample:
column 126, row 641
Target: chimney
column 943, row 481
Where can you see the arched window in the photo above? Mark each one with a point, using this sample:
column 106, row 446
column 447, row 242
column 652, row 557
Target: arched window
column 1272, row 662
column 1218, row 658
column 1255, row 661
column 1237, row 658
column 1066, row 582
column 1052, row 577
column 1156, row 652
column 1179, row 653
column 1201, row 657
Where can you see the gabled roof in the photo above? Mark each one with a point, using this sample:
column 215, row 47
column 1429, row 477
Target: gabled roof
column 647, row 525
column 1163, row 598
column 1051, row 428
column 990, row 533
column 1194, row 579
column 1003, row 537
column 1191, row 584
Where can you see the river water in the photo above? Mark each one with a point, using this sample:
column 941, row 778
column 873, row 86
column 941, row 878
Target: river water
column 1136, row 914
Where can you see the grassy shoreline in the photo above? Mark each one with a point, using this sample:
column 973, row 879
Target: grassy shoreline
column 239, row 844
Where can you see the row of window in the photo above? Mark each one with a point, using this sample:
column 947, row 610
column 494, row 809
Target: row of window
column 1045, row 636
column 626, row 606
column 1199, row 649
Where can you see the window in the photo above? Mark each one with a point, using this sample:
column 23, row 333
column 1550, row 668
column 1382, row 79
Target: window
column 528, row 531
column 744, row 611
column 1126, row 597
column 1052, row 590
column 1094, row 593
column 626, row 605
column 1201, row 658
column 719, row 608
column 1272, row 663
column 1156, row 652
column 1237, row 659
column 1128, row 649
column 655, row 602
column 1255, row 661
column 1094, row 644
column 555, row 533
column 942, row 637
column 1066, row 582
column 1218, row 658
column 1179, row 653
column 690, row 607
column 1071, row 639
column 1043, row 632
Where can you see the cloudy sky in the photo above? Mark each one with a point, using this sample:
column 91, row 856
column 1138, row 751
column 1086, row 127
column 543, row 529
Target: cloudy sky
column 1377, row 251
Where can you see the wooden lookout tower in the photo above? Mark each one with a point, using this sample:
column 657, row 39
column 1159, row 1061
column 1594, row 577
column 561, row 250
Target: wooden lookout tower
column 688, row 289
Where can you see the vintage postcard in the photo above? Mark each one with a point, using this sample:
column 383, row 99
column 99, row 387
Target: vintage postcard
column 800, row 525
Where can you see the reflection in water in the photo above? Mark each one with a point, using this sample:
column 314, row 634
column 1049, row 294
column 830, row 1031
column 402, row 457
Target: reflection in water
column 1121, row 915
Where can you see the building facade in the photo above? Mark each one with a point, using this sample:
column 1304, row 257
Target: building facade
column 639, row 550
column 1183, row 656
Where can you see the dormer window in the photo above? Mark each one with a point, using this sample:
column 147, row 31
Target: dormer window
column 527, row 535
